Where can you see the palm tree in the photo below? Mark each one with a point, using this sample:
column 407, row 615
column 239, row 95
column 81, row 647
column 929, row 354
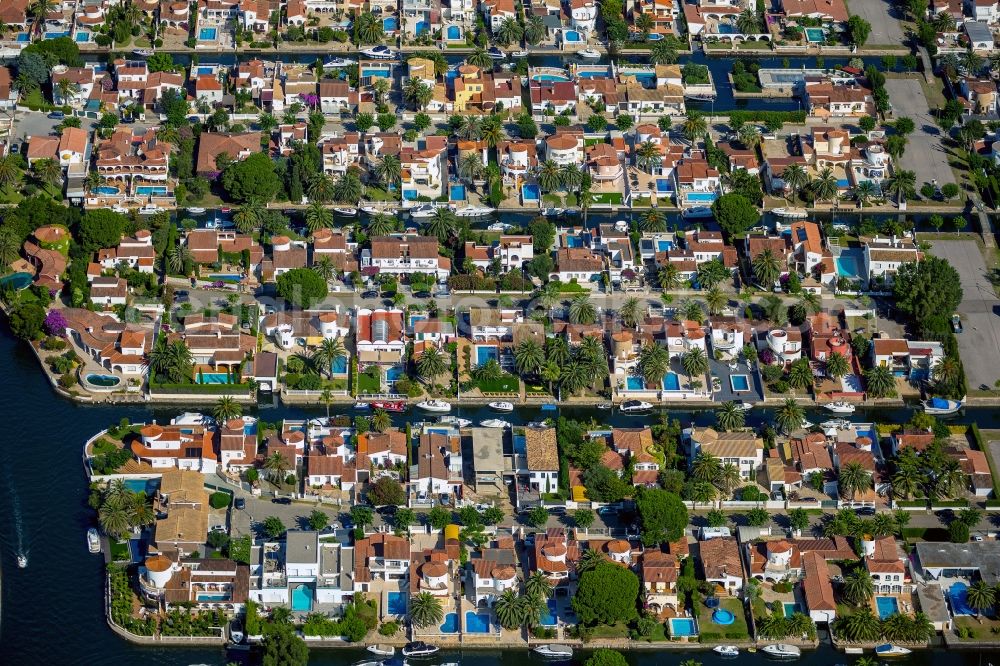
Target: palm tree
column 706, row 467
column 226, row 408
column 328, row 352
column 318, row 217
column 729, row 478
column 668, row 277
column 381, row 224
column 277, row 465
column 947, row 371
column 10, row 171
column 470, row 166
column 178, row 257
column 571, row 177
column 267, row 122
column 795, row 177
column 509, row 32
column 715, row 300
column 538, row 586
column 549, row 176
column 654, row 363
column 858, row 587
column 825, row 186
column 326, row 397
column 789, row 416
column 551, row 373
column 431, row 364
column 589, row 560
column 749, row 136
column 534, row 30
column 557, row 350
column 729, row 417
column 864, row 192
column 766, row 268
column 471, row 129
column 425, row 610
column 548, row 295
column 594, row 358
column 574, row 378
column 481, row 59
column 9, row 247
column 630, row 312
column 853, row 479
column 348, row 188
column 971, row 61
column 951, row 480
column 380, row 420
column 860, row 626
column 529, row 357
column 880, row 382
column 695, row 362
column 901, row 185
column 647, row 155
column 389, row 171
column 509, row 610
column 417, row 93
column 690, row 310
column 981, row 596
column 441, row 224
column 694, row 126
column 747, row 22
column 581, row 310
column 368, row 29
column 47, row 171
column 322, row 188
column 644, row 24
column 662, row 53
column 905, row 482
column 114, row 518
column 39, row 10
column 652, row 221
column 247, row 217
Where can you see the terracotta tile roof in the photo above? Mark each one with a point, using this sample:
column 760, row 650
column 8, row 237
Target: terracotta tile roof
column 720, row 558
column 540, row 449
column 816, row 586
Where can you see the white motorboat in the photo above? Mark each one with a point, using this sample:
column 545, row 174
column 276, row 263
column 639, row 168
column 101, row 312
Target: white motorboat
column 22, row 561
column 890, row 650
column 197, row 210
column 942, row 406
column 434, row 406
column 121, row 210
column 500, row 226
column 347, row 212
column 370, row 663
column 743, row 406
column 697, row 212
column 502, row 406
column 589, row 54
column 633, row 406
column 553, row 651
column 382, row 650
column 455, row 421
column 536, row 424
column 150, row 209
column 835, row 424
column 519, row 54
column 93, row 541
column 495, row 423
column 727, row 650
column 143, row 53
column 474, row 211
column 604, row 405
column 840, row 407
column 806, row 424
column 336, row 63
column 424, row 211
column 419, row 649
column 379, row 52
column 792, row 213
column 379, row 210
column 496, row 53
column 782, row 651
column 552, row 212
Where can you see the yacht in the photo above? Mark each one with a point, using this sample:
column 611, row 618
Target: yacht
column 631, row 406
column 377, row 210
column 424, row 211
column 890, row 650
column 519, row 54
column 727, row 650
column 589, row 54
column 553, row 650
column 382, row 650
column 942, row 406
column 474, row 211
column 743, row 406
column 434, row 406
column 93, row 540
column 502, row 406
column 419, row 649
column 347, row 212
column 495, row 423
column 336, row 63
column 500, row 226
column 835, row 424
column 22, row 561
column 495, row 53
column 782, row 651
column 840, row 407
column 143, row 53
column 150, row 209
column 793, row 213
column 697, row 212
column 379, row 52
column 455, row 421
column 197, row 210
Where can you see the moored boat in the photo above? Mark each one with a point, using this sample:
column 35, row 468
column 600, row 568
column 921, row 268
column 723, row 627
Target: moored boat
column 434, row 406
column 890, row 650
column 942, row 406
column 22, row 561
column 455, row 421
column 389, row 405
column 553, row 651
column 382, row 650
column 346, row 212
column 474, row 211
column 424, row 211
column 501, row 406
column 839, row 407
column 727, row 650
column 335, row 63
column 495, row 423
column 793, row 213
column 697, row 212
column 419, row 649
column 93, row 540
column 589, row 54
column 632, row 406
column 782, row 651
column 197, row 210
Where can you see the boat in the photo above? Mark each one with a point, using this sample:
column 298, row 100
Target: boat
column 782, row 651
column 370, row 663
column 348, row 212
column 434, row 406
column 743, row 406
column 474, row 211
column 793, row 213
column 419, row 649
column 22, row 561
column 382, row 650
column 379, row 210
column 807, row 424
column 150, row 209
column 197, row 210
column 502, row 406
column 727, row 650
column 890, row 650
column 456, row 421
column 553, row 212
column 604, row 405
column 143, row 53
column 697, row 212
column 379, row 52
column 389, row 405
column 495, row 423
column 942, row 406
column 589, row 54
column 553, row 650
column 336, row 63
column 835, row 424
column 840, row 407
column 420, row 212
column 519, row 54
column 536, row 424
column 361, row 405
column 496, row 53
column 632, row 406
column 500, row 226
column 121, row 210
column 93, row 541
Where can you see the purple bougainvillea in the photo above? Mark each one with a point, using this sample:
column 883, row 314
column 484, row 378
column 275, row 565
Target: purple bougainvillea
column 55, row 323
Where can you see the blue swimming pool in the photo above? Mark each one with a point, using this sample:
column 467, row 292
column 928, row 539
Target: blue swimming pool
column 476, row 623
column 530, row 192
column 208, row 34
column 56, row 34
column 486, row 352
column 723, row 616
column 302, row 598
column 520, row 444
column 457, row 192
column 205, row 71
column 739, row 383
column 727, row 29
column 390, row 24
column 548, row 617
column 450, row 625
column 23, row 38
column 958, row 596
column 147, row 486
column 886, row 606
column 82, row 37
column 453, row 32
column 682, row 626
column 701, row 197
column 635, row 383
column 250, row 428
column 849, row 263
column 815, row 35
column 550, row 77
column 106, row 381
column 664, row 246
column 212, row 378
column 671, row 382
column 106, row 190
column 573, row 241
column 572, row 36
column 397, row 604
column 17, row 280
column 789, row 608
column 339, row 365
column 423, row 27
column 212, row 597
column 654, row 37
column 843, row 182
column 151, row 190
column 376, row 72
column 394, row 373
column 664, row 186
column 225, row 277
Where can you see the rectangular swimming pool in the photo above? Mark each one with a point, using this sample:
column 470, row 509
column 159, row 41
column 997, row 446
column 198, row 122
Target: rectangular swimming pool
column 739, row 383
column 339, row 365
column 530, row 192
column 302, row 598
column 476, row 623
column 548, row 616
column 486, row 352
column 208, row 34
column 457, row 192
column 212, row 378
column 849, row 263
column 789, row 607
column 664, row 186
column 887, row 606
column 394, row 373
column 815, row 35
column 635, row 383
column 701, row 197
column 664, row 246
column 671, row 382
column 212, row 597
column 682, row 626
column 397, row 604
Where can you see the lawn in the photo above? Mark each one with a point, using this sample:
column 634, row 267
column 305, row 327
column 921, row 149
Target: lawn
column 336, row 384
column 608, row 198
column 553, row 200
column 119, row 551
column 505, row 384
column 369, row 383
column 659, row 634
column 618, row 630
column 712, row 632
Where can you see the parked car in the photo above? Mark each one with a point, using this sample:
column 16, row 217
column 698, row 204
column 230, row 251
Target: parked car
column 239, row 503
column 56, row 115
column 281, row 500
column 956, row 323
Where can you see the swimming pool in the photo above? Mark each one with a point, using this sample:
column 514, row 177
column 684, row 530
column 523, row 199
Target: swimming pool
column 212, row 597
column 377, row 73
column 701, row 197
column 654, row 37
column 106, row 381
column 815, row 35
column 572, row 36
column 302, row 598
column 205, row 71
column 849, row 263
column 664, row 246
column 530, row 192
column 723, row 617
column 664, row 186
column 208, row 34
column 23, row 38
column 423, row 27
column 390, row 24
column 17, row 280
column 635, row 383
column 339, row 365
column 550, row 77
column 82, row 37
column 212, row 378
column 476, row 623
column 220, row 277
column 671, row 382
column 727, row 29
column 56, row 35
column 682, row 626
column 106, row 190
column 453, row 32
column 484, row 353
column 457, row 192
column 739, row 383
column 148, row 190
column 147, row 486
column 843, row 182
column 397, row 604
column 574, row 241
column 789, row 608
column 394, row 373
column 548, row 616
column 450, row 625
column 886, row 606
column 250, row 428
column 958, row 595
column 520, row 444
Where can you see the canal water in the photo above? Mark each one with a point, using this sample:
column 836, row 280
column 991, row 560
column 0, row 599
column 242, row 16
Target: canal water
column 52, row 611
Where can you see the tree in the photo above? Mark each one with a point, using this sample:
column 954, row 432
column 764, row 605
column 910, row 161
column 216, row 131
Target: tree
column 538, row 586
column 581, row 310
column 735, row 213
column 605, row 657
column 283, row 647
column 799, row 519
column 695, row 362
column 438, row 517
column 369, row 29
column 100, row 228
column 958, row 532
column 853, row 479
column 606, row 594
column 328, row 352
column 386, row 490
column 766, row 268
column 529, row 357
column 729, row 417
column 252, row 179
column 538, row 516
column 654, row 363
column 417, row 93
column 880, row 382
column 26, row 320
column 662, row 514
column 226, row 408
column 630, row 312
column 716, row 301
column 273, row 527
column 431, row 364
column 302, row 287
column 361, row 516
column 509, row 610
column 800, row 374
column 836, row 365
column 860, row 626
column 694, row 126
column 662, row 53
column 981, row 596
column 403, row 519
column 534, row 30
column 858, row 586
column 758, row 517
column 425, row 610
column 927, row 288
column 706, row 467
column 789, row 416
column 825, row 186
column 583, row 518
column 859, row 30
column 901, row 185
column 510, row 31
column 318, row 520
column 441, row 224
column 380, row 420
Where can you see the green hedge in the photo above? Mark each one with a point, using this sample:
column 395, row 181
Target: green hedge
column 744, row 116
column 950, row 503
column 911, row 503
column 200, row 388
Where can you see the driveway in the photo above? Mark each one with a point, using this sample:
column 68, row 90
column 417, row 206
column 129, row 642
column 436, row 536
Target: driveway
column 884, row 19
column 924, row 154
column 37, row 123
column 979, row 341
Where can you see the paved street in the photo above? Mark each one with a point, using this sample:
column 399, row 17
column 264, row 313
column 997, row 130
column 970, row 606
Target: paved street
column 979, row 341
column 883, row 15
column 36, row 123
column 924, row 154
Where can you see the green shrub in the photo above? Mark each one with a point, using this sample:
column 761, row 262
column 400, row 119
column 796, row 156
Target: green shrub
column 219, row 500
column 389, row 628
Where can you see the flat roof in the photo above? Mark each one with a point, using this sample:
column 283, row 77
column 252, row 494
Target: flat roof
column 932, row 603
column 301, row 547
column 487, row 449
column 982, row 556
column 978, row 31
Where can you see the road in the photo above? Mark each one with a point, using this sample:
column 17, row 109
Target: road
column 883, row 15
column 924, row 154
column 979, row 341
column 37, row 123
